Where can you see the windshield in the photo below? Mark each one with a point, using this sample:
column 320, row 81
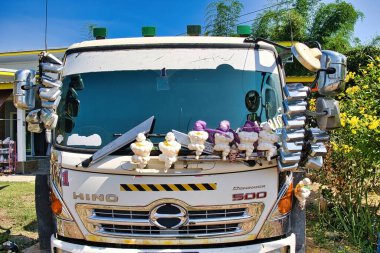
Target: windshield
column 97, row 107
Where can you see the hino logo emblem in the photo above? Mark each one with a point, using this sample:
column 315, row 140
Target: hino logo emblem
column 168, row 216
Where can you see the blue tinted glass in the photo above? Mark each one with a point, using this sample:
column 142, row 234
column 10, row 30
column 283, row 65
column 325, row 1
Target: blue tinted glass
column 114, row 102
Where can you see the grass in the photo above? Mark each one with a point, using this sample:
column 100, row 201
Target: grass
column 17, row 212
column 320, row 238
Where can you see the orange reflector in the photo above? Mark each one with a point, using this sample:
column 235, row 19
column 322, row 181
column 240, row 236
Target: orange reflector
column 56, row 205
column 285, row 203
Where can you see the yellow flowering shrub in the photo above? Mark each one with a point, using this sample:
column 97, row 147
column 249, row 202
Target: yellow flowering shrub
column 353, row 163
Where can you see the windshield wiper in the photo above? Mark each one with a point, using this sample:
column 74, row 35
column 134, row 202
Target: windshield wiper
column 120, row 142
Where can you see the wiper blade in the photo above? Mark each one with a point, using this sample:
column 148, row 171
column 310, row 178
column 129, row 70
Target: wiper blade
column 120, row 142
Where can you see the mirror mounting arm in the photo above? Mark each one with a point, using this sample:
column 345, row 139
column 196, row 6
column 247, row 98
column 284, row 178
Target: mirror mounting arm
column 316, row 114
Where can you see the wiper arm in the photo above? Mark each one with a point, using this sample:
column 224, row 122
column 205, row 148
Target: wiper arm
column 120, row 142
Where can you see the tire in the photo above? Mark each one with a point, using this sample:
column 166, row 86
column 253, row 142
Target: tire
column 44, row 215
column 298, row 218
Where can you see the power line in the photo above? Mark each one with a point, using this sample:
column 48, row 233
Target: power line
column 248, row 13
column 251, row 20
column 252, row 12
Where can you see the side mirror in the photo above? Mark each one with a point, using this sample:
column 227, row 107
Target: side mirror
column 332, row 75
column 23, row 89
column 34, row 121
column 49, row 118
column 50, row 94
column 329, row 107
column 51, row 104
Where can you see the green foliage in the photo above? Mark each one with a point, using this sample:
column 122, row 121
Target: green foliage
column 334, row 24
column 308, row 20
column 222, row 16
column 351, row 175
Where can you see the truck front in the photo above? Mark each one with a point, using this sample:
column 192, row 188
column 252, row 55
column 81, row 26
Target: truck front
column 231, row 191
column 204, row 205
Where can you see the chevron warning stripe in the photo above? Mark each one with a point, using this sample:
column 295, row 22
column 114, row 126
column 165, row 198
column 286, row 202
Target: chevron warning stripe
column 167, row 187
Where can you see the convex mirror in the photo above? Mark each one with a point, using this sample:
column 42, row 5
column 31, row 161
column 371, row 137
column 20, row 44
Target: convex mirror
column 330, row 107
column 23, row 89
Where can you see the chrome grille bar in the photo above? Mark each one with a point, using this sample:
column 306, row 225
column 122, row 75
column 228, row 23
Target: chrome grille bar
column 206, row 221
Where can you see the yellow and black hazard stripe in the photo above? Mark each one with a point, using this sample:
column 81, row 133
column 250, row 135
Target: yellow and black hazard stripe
column 167, row 187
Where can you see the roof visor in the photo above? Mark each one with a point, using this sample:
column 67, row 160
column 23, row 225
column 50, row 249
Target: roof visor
column 170, row 58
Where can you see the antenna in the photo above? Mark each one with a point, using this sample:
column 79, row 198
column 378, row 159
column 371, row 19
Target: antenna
column 46, row 23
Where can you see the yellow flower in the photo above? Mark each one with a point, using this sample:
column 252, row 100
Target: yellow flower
column 374, row 124
column 353, row 131
column 370, row 65
column 334, row 145
column 312, row 104
column 362, row 109
column 354, row 121
column 365, row 86
column 352, row 90
column 350, row 75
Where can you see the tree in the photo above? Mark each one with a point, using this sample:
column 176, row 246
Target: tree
column 222, row 16
column 309, row 20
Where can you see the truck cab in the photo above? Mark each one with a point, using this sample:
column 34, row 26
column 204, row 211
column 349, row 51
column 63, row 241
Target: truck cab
column 105, row 196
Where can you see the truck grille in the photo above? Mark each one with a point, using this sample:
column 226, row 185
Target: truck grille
column 206, row 221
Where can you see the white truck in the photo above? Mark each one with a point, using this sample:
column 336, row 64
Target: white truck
column 233, row 190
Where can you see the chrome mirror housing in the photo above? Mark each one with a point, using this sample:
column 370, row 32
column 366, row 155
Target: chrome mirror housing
column 49, row 118
column 33, row 116
column 49, row 82
column 35, row 128
column 23, row 89
column 51, row 68
column 50, row 94
column 314, row 163
column 332, row 75
column 51, row 104
column 50, row 58
column 329, row 107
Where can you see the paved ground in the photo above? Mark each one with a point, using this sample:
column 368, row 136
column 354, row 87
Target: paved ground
column 17, row 178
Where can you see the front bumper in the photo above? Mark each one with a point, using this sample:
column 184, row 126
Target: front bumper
column 272, row 246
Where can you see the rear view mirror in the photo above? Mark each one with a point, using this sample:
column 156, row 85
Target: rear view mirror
column 23, row 89
column 330, row 108
column 331, row 80
column 76, row 82
column 252, row 101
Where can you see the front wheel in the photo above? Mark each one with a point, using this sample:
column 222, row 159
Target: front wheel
column 298, row 218
column 44, row 215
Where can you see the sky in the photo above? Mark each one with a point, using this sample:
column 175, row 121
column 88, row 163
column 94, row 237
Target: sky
column 22, row 22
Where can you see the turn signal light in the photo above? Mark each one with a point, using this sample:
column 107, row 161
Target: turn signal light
column 56, row 205
column 285, row 203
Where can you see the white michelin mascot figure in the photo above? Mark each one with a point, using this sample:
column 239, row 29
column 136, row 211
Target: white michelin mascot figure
column 222, row 138
column 141, row 149
column 198, row 138
column 302, row 191
column 247, row 139
column 266, row 141
column 169, row 148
